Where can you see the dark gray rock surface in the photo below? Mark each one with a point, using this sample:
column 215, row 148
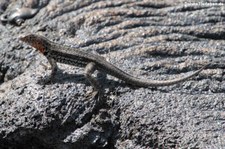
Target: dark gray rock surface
column 149, row 39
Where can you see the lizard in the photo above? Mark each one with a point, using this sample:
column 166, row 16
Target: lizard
column 55, row 52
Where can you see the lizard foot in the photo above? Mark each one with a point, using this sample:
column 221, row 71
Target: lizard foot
column 94, row 95
column 91, row 95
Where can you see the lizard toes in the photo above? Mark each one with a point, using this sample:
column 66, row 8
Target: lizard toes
column 93, row 95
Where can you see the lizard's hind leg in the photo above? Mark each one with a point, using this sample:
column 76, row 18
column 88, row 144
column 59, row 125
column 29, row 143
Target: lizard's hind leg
column 89, row 70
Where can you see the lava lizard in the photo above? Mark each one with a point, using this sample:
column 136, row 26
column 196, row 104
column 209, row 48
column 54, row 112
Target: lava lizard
column 55, row 52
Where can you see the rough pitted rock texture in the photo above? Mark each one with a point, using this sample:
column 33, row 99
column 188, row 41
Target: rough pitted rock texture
column 149, row 39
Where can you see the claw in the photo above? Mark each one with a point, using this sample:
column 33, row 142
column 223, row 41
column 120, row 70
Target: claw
column 92, row 95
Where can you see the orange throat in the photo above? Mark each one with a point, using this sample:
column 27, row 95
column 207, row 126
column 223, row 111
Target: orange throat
column 39, row 47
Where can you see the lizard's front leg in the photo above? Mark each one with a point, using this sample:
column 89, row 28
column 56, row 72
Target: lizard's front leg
column 89, row 70
column 54, row 68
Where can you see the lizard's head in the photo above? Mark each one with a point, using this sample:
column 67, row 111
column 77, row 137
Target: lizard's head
column 36, row 41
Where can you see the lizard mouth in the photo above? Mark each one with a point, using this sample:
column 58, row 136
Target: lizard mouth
column 22, row 38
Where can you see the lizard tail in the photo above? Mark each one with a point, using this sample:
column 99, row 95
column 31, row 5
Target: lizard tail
column 151, row 83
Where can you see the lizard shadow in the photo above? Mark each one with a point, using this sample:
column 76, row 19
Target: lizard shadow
column 63, row 77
